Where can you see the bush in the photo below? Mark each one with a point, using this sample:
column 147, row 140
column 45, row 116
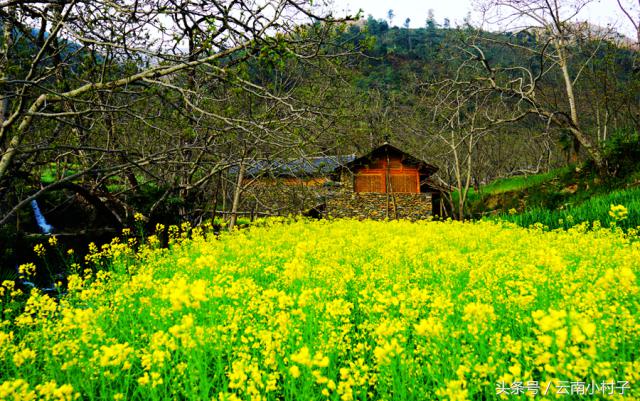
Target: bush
column 622, row 154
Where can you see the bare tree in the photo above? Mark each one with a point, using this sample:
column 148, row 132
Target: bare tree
column 149, row 86
column 628, row 8
column 554, row 33
column 460, row 119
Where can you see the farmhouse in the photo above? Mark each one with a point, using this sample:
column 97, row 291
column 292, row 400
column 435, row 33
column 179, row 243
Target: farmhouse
column 385, row 183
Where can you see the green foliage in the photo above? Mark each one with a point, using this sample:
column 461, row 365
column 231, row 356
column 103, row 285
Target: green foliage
column 219, row 222
column 590, row 198
column 397, row 54
column 622, row 152
column 595, row 209
column 243, row 221
column 275, row 53
column 10, row 252
column 510, row 184
column 521, row 182
column 56, row 171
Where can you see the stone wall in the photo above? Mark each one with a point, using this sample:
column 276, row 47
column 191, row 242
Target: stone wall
column 333, row 199
column 282, row 198
column 379, row 206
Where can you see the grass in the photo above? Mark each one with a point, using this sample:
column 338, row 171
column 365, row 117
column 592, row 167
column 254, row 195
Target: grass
column 51, row 174
column 332, row 310
column 521, row 182
column 594, row 209
column 510, row 184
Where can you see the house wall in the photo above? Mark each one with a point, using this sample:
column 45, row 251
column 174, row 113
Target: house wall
column 290, row 181
column 345, row 198
column 363, row 205
column 284, row 196
column 386, row 175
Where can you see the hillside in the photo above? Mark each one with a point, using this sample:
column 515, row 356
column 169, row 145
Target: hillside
column 567, row 196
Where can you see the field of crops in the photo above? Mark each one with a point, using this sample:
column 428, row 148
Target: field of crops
column 338, row 310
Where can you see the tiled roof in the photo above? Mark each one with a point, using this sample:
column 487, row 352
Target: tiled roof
column 318, row 166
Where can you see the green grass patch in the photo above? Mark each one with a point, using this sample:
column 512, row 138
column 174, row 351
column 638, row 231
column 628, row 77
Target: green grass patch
column 593, row 209
column 521, row 182
column 476, row 199
column 54, row 172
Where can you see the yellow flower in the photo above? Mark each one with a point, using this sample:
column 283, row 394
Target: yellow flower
column 144, row 379
column 115, row 355
column 53, row 240
column 39, row 250
column 303, row 357
column 51, row 391
column 428, row 327
column 553, row 320
column 27, row 270
column 156, row 379
column 139, row 217
column 618, row 212
column 16, row 390
column 344, row 309
column 455, row 390
column 295, row 371
column 24, row 355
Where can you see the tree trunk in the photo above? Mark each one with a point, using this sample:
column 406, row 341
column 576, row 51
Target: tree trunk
column 4, row 68
column 575, row 150
column 236, row 197
column 457, row 172
column 215, row 198
column 12, row 149
column 592, row 149
column 581, row 139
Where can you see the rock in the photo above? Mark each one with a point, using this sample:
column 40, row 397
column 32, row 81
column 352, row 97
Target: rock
column 571, row 189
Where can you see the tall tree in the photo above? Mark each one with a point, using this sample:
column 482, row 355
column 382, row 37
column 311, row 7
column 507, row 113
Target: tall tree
column 556, row 37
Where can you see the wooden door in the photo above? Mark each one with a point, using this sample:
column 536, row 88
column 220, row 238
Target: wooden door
column 404, row 182
column 370, row 182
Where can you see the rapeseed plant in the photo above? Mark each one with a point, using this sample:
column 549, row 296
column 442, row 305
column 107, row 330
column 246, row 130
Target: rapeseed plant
column 334, row 310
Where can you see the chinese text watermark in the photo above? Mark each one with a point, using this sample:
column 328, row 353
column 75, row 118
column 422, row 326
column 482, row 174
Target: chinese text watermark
column 563, row 388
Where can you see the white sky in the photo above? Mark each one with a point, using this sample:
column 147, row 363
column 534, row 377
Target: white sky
column 601, row 12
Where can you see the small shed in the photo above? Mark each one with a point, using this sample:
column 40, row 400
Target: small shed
column 284, row 186
column 309, row 171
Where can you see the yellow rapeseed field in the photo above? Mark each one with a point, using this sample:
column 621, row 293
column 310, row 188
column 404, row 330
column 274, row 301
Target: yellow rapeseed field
column 336, row 310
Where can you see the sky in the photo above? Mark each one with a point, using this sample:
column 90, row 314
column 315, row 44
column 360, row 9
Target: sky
column 600, row 12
